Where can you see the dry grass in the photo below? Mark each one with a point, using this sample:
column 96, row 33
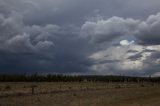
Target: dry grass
column 79, row 94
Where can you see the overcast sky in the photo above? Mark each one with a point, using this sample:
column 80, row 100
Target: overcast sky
column 106, row 37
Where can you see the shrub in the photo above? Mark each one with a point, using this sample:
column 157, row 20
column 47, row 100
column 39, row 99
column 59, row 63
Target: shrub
column 7, row 87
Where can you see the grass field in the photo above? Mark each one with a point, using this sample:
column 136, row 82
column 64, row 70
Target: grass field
column 79, row 94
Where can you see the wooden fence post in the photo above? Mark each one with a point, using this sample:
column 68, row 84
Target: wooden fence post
column 33, row 91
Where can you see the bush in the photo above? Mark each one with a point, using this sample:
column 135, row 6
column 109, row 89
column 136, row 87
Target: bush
column 7, row 87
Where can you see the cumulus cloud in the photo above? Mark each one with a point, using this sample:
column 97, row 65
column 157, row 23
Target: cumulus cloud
column 149, row 30
column 138, row 41
column 132, row 59
column 146, row 32
column 126, row 42
column 106, row 30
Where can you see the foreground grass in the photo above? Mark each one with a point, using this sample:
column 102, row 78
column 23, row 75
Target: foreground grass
column 109, row 96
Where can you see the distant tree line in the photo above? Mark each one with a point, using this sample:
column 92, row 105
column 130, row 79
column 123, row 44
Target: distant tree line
column 74, row 78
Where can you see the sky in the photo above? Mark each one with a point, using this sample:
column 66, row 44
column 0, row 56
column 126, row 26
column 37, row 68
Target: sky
column 100, row 37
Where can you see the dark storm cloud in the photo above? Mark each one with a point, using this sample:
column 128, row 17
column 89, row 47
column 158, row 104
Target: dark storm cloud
column 43, row 49
column 135, row 57
column 148, row 50
column 55, row 53
column 155, row 56
column 132, row 51
column 109, row 61
column 39, row 48
column 76, row 11
column 138, row 56
column 152, row 63
column 50, row 36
